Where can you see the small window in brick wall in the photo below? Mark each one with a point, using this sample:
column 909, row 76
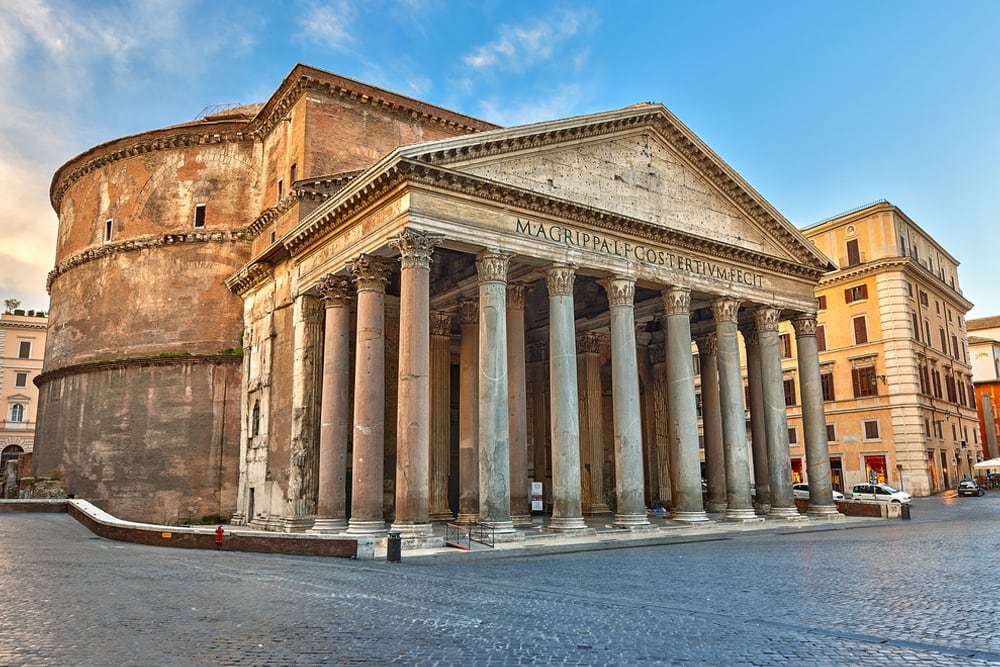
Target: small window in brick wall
column 199, row 216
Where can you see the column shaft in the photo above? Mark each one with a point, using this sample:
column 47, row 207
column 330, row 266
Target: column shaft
column 413, row 428
column 775, row 418
column 335, row 424
column 468, row 417
column 588, row 366
column 440, row 415
column 758, row 431
column 821, row 503
column 494, row 424
column 684, row 460
column 367, row 517
column 567, row 513
column 711, row 421
column 734, row 426
column 520, row 489
column 306, row 387
column 631, row 508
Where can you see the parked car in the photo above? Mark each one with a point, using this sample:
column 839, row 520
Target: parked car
column 881, row 493
column 969, row 487
column 801, row 492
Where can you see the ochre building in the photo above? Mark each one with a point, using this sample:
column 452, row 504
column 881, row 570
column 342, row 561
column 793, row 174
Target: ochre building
column 348, row 310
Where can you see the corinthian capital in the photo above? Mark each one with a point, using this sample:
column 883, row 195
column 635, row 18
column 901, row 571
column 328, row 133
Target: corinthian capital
column 559, row 278
column 371, row 273
column 677, row 301
column 440, row 323
column 708, row 345
column 337, row 291
column 725, row 309
column 415, row 247
column 620, row 290
column 804, row 325
column 767, row 318
column 515, row 296
column 492, row 265
column 468, row 312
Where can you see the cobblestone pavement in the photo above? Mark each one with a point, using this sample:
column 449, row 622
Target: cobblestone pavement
column 923, row 591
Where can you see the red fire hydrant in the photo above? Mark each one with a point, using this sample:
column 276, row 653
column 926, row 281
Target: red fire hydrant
column 219, row 532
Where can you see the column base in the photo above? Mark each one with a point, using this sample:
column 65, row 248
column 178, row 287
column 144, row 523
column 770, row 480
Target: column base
column 297, row 524
column 745, row 515
column 762, row 510
column 632, row 522
column 825, row 512
column 444, row 517
column 689, row 516
column 326, row 526
column 598, row 508
column 366, row 527
column 522, row 520
column 466, row 519
column 786, row 513
column 411, row 531
column 716, row 506
column 238, row 519
column 573, row 525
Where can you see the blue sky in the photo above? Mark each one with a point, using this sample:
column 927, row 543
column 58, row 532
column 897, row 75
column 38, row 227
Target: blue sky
column 821, row 106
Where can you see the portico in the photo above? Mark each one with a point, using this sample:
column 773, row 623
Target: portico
column 522, row 305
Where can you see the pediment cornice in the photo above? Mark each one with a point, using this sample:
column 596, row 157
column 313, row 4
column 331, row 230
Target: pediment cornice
column 654, row 117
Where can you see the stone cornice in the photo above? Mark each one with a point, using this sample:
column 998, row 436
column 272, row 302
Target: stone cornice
column 248, row 277
column 198, row 133
column 11, row 324
column 131, row 245
column 138, row 362
column 303, row 78
column 884, row 264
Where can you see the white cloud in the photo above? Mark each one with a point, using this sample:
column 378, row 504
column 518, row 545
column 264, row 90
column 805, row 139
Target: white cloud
column 562, row 101
column 330, row 25
column 520, row 46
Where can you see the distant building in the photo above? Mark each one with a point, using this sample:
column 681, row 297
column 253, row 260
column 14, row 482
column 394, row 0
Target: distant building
column 895, row 364
column 22, row 345
column 984, row 348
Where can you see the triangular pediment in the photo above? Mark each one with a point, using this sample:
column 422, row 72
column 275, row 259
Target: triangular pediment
column 638, row 163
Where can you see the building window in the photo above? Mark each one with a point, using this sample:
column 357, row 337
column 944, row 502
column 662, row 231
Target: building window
column 786, row 346
column 255, row 419
column 108, row 225
column 853, row 253
column 696, row 363
column 909, row 289
column 927, row 331
column 870, row 427
column 826, row 383
column 20, row 379
column 864, row 381
column 821, row 301
column 936, row 382
column 927, row 427
column 924, row 381
column 790, row 392
column 793, row 435
column 938, row 431
column 293, row 173
column 856, row 293
column 16, row 412
column 698, row 405
column 199, row 216
column 860, row 330
column 24, row 349
column 281, row 189
column 923, row 298
column 949, row 386
column 944, row 340
column 937, row 306
column 954, row 346
column 831, row 433
column 820, row 338
column 916, row 326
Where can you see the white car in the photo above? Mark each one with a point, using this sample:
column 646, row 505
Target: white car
column 801, row 492
column 881, row 493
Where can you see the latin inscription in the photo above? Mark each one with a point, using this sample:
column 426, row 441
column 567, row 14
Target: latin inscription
column 575, row 238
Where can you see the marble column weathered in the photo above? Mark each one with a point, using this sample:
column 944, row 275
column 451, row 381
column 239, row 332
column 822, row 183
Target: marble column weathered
column 307, row 316
column 520, row 487
column 468, row 414
column 631, row 509
column 711, row 421
column 775, row 418
column 591, row 396
column 661, row 418
column 538, row 363
column 494, row 417
column 687, row 506
column 567, row 512
column 335, row 415
column 739, row 506
column 413, row 427
column 821, row 505
column 440, row 415
column 371, row 274
column 758, row 430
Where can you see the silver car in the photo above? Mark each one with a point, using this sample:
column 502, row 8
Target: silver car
column 801, row 492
